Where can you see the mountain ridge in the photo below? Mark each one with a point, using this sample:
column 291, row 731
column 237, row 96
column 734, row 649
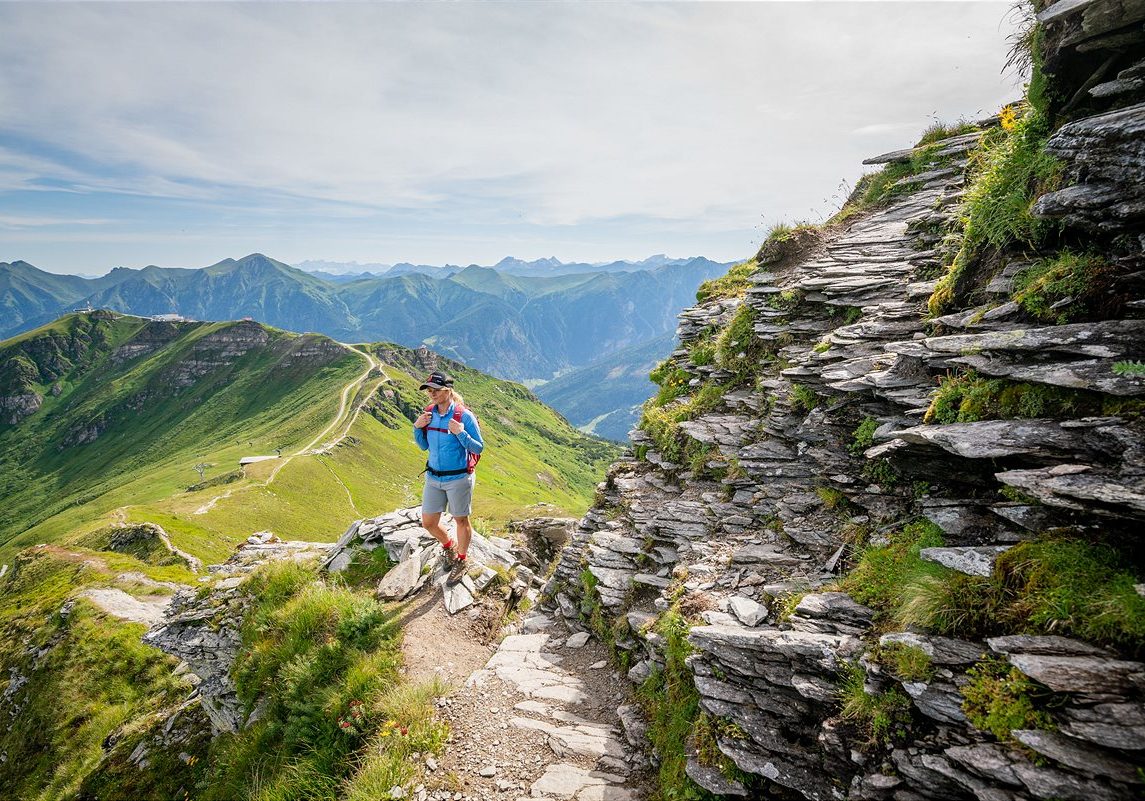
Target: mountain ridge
column 411, row 308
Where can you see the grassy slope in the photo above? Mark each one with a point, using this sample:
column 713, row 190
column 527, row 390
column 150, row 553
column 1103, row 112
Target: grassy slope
column 89, row 676
column 140, row 468
column 260, row 401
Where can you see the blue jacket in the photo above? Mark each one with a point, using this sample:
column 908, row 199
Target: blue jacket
column 449, row 451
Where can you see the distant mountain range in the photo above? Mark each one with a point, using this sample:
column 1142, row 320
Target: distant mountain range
column 343, row 271
column 524, row 321
column 605, row 397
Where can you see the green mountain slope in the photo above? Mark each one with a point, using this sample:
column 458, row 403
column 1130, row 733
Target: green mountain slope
column 105, row 418
column 604, row 398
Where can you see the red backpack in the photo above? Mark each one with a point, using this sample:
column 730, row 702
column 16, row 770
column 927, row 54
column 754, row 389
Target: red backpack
column 471, row 459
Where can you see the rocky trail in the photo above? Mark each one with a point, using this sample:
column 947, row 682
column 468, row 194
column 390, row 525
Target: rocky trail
column 537, row 716
column 546, row 717
column 534, row 707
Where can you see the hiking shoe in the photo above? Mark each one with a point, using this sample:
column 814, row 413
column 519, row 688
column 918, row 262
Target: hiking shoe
column 449, row 556
column 456, row 574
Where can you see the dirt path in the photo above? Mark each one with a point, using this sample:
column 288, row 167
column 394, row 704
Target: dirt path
column 193, row 562
column 341, row 418
column 537, row 717
column 437, row 644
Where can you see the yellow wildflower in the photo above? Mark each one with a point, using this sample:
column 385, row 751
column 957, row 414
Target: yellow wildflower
column 1009, row 118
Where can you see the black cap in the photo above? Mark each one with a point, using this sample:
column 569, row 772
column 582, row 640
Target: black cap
column 437, row 380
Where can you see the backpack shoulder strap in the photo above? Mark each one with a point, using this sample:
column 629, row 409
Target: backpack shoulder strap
column 458, row 411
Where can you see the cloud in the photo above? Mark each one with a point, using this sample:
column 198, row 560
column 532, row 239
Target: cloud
column 15, row 221
column 545, row 114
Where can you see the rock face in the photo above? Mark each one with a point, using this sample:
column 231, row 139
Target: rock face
column 203, row 627
column 743, row 537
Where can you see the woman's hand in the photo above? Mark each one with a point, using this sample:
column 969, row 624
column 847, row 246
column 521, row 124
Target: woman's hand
column 455, row 427
column 422, row 421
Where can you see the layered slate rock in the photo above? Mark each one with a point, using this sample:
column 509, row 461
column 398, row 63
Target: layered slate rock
column 748, row 555
column 203, row 629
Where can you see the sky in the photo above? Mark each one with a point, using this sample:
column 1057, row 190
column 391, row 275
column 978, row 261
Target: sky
column 180, row 134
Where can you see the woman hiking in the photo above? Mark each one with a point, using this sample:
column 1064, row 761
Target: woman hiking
column 450, row 433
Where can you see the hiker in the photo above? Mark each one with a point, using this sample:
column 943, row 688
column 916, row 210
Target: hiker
column 450, row 433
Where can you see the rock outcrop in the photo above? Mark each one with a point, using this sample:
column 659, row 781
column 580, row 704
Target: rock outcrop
column 822, row 441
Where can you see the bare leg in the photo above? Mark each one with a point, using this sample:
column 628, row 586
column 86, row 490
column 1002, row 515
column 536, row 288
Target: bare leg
column 432, row 524
column 464, row 535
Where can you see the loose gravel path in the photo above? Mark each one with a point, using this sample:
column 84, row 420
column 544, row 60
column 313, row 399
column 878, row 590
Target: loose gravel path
column 540, row 721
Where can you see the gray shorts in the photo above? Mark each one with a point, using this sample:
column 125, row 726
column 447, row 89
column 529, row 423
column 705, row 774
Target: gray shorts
column 457, row 493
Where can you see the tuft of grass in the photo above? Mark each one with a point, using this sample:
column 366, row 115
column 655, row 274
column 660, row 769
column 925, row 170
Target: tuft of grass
column 1010, row 170
column 1075, row 588
column 937, row 131
column 883, row 572
column 662, row 422
column 1000, row 698
column 1047, row 586
column 881, row 187
column 882, row 717
column 732, row 284
column 89, row 677
column 672, row 704
column 788, row 605
column 1130, row 369
column 864, row 436
column 803, row 397
column 1078, row 281
column 949, row 602
column 967, row 397
column 882, row 472
column 907, row 662
column 408, row 731
column 367, row 569
column 738, row 349
column 324, row 661
column 832, row 498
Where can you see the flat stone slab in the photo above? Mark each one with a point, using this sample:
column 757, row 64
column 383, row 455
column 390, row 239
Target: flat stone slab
column 749, row 612
column 118, row 603
column 973, row 561
column 400, row 580
column 577, row 640
column 563, row 780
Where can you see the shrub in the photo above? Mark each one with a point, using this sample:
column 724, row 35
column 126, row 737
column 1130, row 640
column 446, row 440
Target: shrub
column 999, row 699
